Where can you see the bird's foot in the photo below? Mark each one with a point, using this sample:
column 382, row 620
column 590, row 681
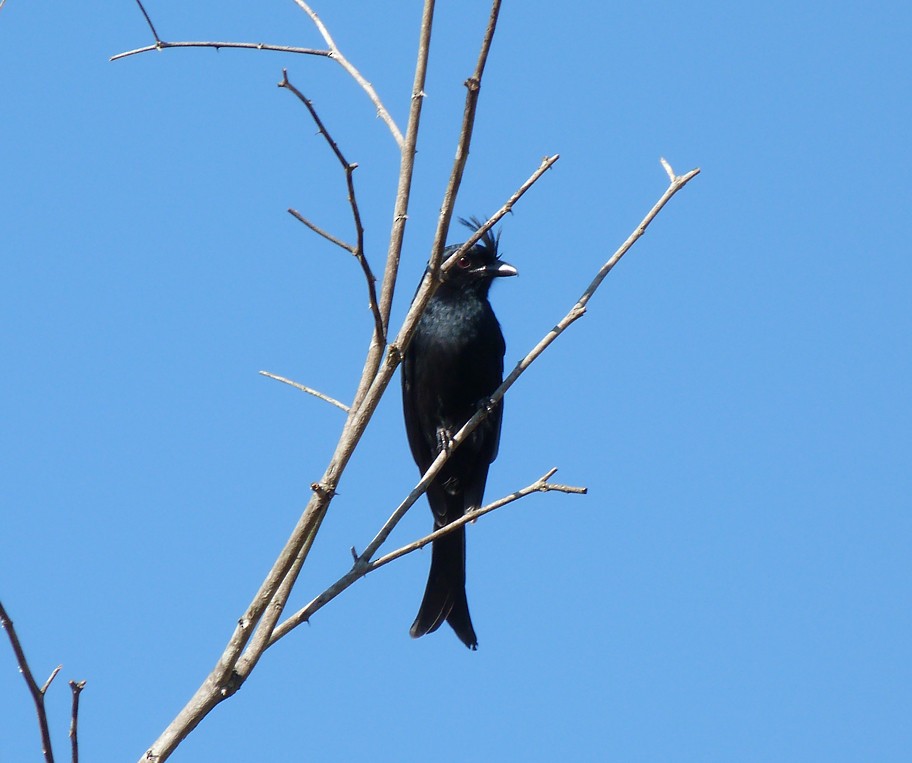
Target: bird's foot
column 488, row 405
column 444, row 440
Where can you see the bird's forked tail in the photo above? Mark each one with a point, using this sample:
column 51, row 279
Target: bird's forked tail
column 445, row 594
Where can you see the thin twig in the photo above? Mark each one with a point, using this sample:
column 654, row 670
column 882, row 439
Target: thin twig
column 308, row 390
column 148, row 21
column 162, row 45
column 349, row 169
column 36, row 691
column 76, row 687
column 51, row 677
column 318, row 230
column 540, row 486
column 545, row 165
column 336, row 55
column 362, row 566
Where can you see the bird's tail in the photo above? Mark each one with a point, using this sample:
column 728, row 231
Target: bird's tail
column 445, row 595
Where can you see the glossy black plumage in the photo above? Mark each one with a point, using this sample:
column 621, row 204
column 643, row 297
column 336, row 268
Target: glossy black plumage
column 452, row 365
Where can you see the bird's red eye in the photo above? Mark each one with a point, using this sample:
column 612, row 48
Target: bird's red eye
column 463, row 262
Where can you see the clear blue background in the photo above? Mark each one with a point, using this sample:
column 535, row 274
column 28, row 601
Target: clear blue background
column 736, row 585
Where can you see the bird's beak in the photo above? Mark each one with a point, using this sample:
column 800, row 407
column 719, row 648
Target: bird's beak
column 501, row 269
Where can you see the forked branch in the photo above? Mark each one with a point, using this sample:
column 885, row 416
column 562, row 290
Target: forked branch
column 332, row 52
column 362, row 567
column 364, row 563
column 349, row 169
column 336, row 55
column 36, row 691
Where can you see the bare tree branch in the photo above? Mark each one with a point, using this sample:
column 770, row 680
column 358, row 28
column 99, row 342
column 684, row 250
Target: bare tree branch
column 36, row 691
column 308, row 390
column 576, row 312
column 148, row 21
column 336, row 55
column 473, row 89
column 541, row 485
column 76, row 687
column 363, row 566
column 255, row 627
column 162, row 45
column 319, row 231
column 348, row 168
column 400, row 208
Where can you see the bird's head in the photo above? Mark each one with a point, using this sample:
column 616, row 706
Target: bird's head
column 480, row 265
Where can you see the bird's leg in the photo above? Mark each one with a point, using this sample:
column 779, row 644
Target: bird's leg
column 444, row 440
column 488, row 405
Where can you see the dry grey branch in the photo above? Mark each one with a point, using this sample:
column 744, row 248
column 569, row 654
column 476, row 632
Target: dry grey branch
column 308, row 390
column 162, row 45
column 336, row 55
column 539, row 486
column 576, row 312
column 36, row 691
column 473, row 89
column 319, row 231
column 364, row 563
column 148, row 21
column 349, row 169
column 76, row 687
column 255, row 626
column 400, row 209
column 363, row 566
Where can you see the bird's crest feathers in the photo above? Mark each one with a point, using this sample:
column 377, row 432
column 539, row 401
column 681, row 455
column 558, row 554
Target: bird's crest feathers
column 488, row 245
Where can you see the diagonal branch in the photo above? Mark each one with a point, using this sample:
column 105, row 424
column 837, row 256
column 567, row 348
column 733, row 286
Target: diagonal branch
column 541, row 485
column 36, row 691
column 364, row 567
column 576, row 312
column 363, row 563
column 267, row 604
column 308, row 390
column 349, row 169
column 336, row 55
column 320, row 232
column 148, row 21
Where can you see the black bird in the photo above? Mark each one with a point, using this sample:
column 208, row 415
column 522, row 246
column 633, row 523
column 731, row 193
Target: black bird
column 452, row 366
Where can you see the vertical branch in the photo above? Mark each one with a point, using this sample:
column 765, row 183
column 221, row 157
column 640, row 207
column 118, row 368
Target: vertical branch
column 36, row 691
column 400, row 208
column 473, row 87
column 76, row 687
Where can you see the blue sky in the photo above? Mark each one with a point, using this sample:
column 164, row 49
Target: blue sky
column 736, row 585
